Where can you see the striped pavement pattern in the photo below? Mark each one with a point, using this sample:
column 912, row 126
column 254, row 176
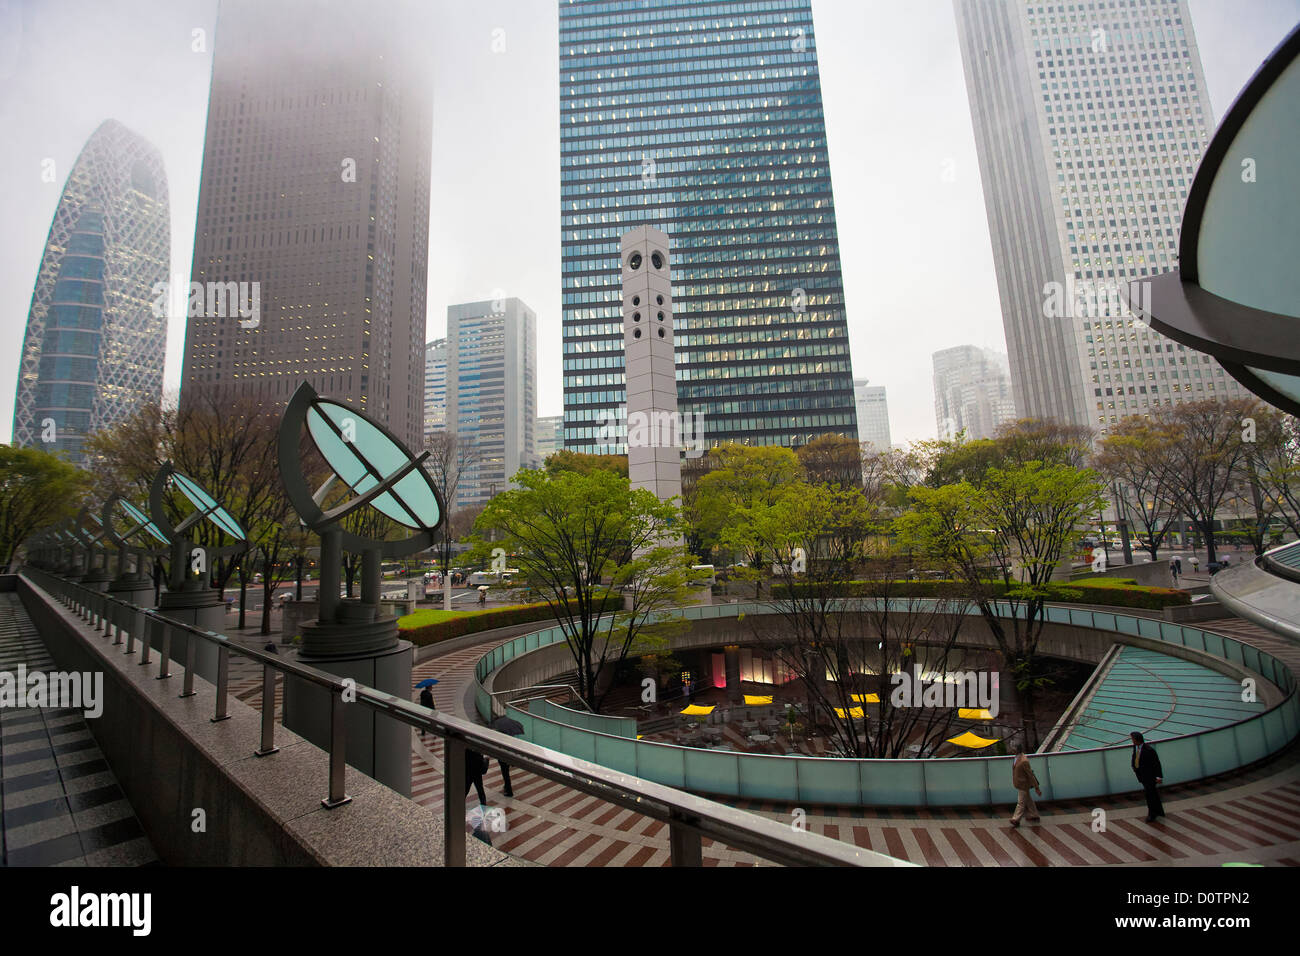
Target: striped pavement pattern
column 60, row 804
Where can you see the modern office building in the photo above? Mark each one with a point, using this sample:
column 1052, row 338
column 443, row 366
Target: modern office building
column 95, row 343
column 549, row 437
column 435, row 386
column 314, row 207
column 703, row 119
column 972, row 392
column 1090, row 118
column 492, row 393
column 873, row 414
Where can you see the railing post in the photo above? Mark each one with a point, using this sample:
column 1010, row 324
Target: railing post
column 137, row 630
column 151, row 624
column 686, row 847
column 338, row 760
column 117, row 623
column 191, row 640
column 223, row 682
column 268, row 713
column 165, row 656
column 453, row 801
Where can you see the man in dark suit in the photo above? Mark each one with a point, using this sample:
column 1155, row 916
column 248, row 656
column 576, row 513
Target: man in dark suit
column 1146, row 767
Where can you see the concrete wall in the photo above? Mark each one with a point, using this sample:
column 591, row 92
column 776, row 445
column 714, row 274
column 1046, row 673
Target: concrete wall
column 171, row 760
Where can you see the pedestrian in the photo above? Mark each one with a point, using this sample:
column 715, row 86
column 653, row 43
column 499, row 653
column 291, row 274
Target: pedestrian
column 1195, row 562
column 1023, row 779
column 482, row 596
column 507, row 725
column 1146, row 767
column 475, row 766
column 1178, row 562
column 1173, row 569
column 426, row 700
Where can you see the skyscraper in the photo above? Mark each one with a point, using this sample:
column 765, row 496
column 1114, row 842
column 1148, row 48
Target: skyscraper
column 1090, row 118
column 873, row 414
column 492, row 393
column 550, row 437
column 315, row 197
column 95, row 344
column 703, row 119
column 435, row 386
column 972, row 392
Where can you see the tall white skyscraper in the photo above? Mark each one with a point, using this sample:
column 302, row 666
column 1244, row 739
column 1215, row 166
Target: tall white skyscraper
column 1090, row 117
column 492, row 392
column 972, row 392
column 873, row 414
column 435, row 386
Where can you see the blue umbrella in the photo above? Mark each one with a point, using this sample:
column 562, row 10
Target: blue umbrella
column 427, row 682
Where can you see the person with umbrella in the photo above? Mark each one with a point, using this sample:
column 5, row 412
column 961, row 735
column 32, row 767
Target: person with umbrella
column 426, row 695
column 507, row 725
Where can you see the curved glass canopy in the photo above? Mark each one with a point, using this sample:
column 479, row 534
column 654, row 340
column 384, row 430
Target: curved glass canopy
column 208, row 505
column 138, row 516
column 363, row 456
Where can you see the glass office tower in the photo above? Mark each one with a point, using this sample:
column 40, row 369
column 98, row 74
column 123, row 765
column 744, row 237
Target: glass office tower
column 95, row 343
column 703, row 119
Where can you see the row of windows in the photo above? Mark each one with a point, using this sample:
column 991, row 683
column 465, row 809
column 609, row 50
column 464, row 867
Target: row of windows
column 703, row 99
column 664, row 85
column 618, row 175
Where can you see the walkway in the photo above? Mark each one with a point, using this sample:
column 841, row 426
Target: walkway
column 60, row 804
column 1246, row 816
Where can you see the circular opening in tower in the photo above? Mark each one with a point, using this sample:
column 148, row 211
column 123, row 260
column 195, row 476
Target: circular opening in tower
column 634, row 261
column 657, row 260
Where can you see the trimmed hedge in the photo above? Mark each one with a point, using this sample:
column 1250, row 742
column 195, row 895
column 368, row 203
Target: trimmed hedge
column 473, row 622
column 1111, row 592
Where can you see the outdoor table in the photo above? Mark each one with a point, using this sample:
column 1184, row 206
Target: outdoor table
column 760, row 738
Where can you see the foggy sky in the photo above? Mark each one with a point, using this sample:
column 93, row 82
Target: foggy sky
column 918, row 266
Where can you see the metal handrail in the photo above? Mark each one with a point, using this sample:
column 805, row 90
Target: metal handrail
column 690, row 818
column 523, row 690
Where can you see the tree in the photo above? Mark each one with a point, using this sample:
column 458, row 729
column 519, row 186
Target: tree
column 1272, row 465
column 565, row 460
column 577, row 538
column 832, row 460
column 824, row 536
column 1133, row 456
column 739, row 477
column 1003, row 539
column 450, row 456
column 1204, row 461
column 37, row 489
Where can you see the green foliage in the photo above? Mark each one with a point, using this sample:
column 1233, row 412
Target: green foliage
column 37, row 489
column 428, row 626
column 574, row 534
column 741, row 478
column 565, row 460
